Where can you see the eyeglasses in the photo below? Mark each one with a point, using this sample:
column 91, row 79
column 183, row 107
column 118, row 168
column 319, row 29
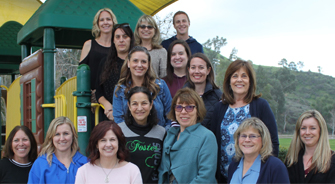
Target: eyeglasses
column 188, row 108
column 144, row 26
column 251, row 137
column 117, row 26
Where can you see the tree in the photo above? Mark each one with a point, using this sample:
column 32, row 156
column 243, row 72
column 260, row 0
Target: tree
column 232, row 56
column 212, row 49
column 165, row 24
column 67, row 61
column 319, row 69
column 283, row 62
column 292, row 66
column 3, row 110
column 287, row 79
column 300, row 65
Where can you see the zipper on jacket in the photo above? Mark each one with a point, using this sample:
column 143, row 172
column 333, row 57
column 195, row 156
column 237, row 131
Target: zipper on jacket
column 67, row 170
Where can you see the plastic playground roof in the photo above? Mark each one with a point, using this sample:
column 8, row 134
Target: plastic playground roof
column 72, row 19
column 10, row 52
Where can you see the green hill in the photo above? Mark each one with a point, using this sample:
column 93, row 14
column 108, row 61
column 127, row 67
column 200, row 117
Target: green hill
column 291, row 92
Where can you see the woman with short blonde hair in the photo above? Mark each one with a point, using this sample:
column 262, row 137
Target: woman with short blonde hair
column 253, row 162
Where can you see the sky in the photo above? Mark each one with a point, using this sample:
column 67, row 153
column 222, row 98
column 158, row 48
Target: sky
column 266, row 31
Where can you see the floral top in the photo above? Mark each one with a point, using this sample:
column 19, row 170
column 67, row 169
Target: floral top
column 231, row 121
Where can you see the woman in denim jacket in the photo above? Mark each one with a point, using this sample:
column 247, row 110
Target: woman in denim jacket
column 137, row 71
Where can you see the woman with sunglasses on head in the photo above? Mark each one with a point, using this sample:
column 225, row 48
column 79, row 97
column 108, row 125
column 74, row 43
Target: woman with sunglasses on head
column 137, row 71
column 20, row 152
column 110, row 68
column 59, row 158
column 147, row 35
column 141, row 131
column 239, row 102
column 309, row 158
column 178, row 54
column 200, row 77
column 107, row 154
column 190, row 150
column 96, row 49
column 253, row 161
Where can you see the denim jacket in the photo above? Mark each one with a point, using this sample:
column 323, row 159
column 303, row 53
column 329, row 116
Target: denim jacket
column 162, row 104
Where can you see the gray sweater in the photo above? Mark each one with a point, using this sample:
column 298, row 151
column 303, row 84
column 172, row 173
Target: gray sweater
column 158, row 60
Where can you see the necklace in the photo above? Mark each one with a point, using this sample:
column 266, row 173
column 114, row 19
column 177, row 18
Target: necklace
column 106, row 179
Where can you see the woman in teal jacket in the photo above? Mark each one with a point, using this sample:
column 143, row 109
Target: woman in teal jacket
column 189, row 151
column 59, row 158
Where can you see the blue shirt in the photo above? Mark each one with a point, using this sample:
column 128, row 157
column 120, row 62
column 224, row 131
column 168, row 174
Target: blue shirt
column 162, row 104
column 231, row 121
column 251, row 176
column 42, row 172
column 194, row 45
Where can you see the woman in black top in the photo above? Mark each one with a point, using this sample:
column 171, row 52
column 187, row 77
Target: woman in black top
column 200, row 77
column 110, row 67
column 20, row 153
column 95, row 49
column 144, row 137
column 309, row 158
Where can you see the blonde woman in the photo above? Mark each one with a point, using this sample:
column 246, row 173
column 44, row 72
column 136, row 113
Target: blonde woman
column 95, row 50
column 59, row 159
column 309, row 158
column 147, row 35
column 253, row 161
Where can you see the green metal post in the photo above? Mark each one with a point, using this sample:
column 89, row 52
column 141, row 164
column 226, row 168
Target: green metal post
column 0, row 121
column 83, row 94
column 49, row 49
column 25, row 51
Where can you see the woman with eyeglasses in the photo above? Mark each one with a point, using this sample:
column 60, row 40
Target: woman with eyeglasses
column 147, row 35
column 200, row 77
column 239, row 102
column 137, row 71
column 177, row 57
column 309, row 158
column 144, row 137
column 253, row 162
column 110, row 68
column 190, row 150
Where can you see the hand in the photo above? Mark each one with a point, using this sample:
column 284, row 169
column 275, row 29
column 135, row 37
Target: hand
column 110, row 114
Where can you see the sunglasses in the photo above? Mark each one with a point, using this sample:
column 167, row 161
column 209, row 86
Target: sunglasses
column 117, row 26
column 144, row 26
column 188, row 108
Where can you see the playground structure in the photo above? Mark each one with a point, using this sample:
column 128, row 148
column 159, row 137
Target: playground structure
column 32, row 99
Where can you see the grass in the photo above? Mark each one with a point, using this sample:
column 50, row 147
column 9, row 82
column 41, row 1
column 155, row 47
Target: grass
column 285, row 142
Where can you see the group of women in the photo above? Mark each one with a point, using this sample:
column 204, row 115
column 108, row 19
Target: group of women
column 200, row 136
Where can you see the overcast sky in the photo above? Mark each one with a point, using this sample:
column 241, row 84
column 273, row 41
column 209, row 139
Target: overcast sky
column 266, row 31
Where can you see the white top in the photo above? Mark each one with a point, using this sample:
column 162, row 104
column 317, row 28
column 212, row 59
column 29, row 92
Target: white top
column 127, row 174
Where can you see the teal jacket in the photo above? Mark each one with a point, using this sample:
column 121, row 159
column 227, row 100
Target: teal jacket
column 191, row 159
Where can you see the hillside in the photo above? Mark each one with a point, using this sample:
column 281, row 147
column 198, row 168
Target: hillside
column 291, row 92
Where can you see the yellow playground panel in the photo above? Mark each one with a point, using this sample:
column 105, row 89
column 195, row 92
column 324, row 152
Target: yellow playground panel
column 13, row 115
column 65, row 101
column 17, row 10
